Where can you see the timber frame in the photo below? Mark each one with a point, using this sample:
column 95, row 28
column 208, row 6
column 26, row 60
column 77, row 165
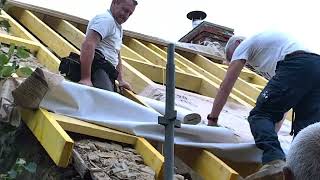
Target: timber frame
column 49, row 128
column 144, row 65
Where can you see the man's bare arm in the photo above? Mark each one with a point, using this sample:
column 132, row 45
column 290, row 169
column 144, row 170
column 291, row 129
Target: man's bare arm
column 87, row 54
column 122, row 82
column 226, row 86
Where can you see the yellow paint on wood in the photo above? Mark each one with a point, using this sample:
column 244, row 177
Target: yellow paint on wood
column 163, row 54
column 65, row 29
column 49, row 60
column 82, row 127
column 210, row 167
column 50, row 134
column 206, row 164
column 158, row 74
column 48, row 36
column 150, row 156
column 249, row 76
column 43, row 55
column 137, row 80
column 146, row 52
column 130, row 95
column 30, row 45
column 16, row 29
column 127, row 52
column 211, row 83
column 220, row 72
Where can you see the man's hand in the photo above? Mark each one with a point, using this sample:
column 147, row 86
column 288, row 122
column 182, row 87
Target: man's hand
column 125, row 85
column 212, row 121
column 86, row 82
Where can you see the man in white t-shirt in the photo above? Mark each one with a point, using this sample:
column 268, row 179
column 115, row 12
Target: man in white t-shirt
column 294, row 75
column 100, row 52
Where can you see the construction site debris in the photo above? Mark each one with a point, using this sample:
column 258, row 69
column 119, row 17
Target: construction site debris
column 106, row 160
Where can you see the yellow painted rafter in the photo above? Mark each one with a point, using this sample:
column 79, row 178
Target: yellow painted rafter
column 236, row 94
column 50, row 134
column 146, row 52
column 144, row 82
column 199, row 84
column 158, row 74
column 53, row 40
column 65, row 29
column 199, row 163
column 30, row 45
column 149, row 154
column 163, row 54
column 16, row 29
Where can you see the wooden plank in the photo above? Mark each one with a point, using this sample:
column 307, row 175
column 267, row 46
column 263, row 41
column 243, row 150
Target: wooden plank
column 44, row 56
column 249, row 76
column 48, row 36
column 158, row 74
column 146, row 52
column 65, row 29
column 257, row 86
column 150, row 156
column 50, row 134
column 138, row 80
column 130, row 95
column 83, row 22
column 219, row 72
column 128, row 52
column 49, row 60
column 30, row 45
column 207, row 165
column 16, row 29
column 201, row 85
column 82, row 127
column 163, row 54
column 235, row 95
column 52, row 62
column 161, row 42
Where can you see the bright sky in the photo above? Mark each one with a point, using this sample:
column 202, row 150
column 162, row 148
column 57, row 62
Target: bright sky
column 167, row 19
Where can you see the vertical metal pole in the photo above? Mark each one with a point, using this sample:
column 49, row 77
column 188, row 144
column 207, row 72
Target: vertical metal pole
column 169, row 115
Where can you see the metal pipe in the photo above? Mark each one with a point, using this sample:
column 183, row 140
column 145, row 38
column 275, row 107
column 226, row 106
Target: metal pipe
column 170, row 115
column 170, row 118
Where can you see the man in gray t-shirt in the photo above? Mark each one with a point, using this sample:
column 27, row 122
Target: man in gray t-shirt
column 294, row 75
column 104, row 39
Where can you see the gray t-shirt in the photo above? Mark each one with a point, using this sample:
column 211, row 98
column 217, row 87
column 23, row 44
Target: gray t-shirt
column 111, row 33
column 264, row 50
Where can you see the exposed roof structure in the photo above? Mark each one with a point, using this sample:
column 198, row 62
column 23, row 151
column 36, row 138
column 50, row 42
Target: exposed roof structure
column 50, row 35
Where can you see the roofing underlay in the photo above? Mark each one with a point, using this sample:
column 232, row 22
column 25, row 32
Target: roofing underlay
column 50, row 35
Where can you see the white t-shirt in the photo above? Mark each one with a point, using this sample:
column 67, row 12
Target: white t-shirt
column 111, row 33
column 264, row 50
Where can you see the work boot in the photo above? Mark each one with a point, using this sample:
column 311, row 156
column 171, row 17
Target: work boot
column 30, row 92
column 270, row 171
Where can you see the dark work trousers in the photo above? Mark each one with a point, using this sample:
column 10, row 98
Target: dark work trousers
column 103, row 73
column 296, row 85
column 100, row 79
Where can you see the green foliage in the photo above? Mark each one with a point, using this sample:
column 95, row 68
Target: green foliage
column 5, row 24
column 24, row 72
column 19, row 167
column 22, row 52
column 7, row 69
